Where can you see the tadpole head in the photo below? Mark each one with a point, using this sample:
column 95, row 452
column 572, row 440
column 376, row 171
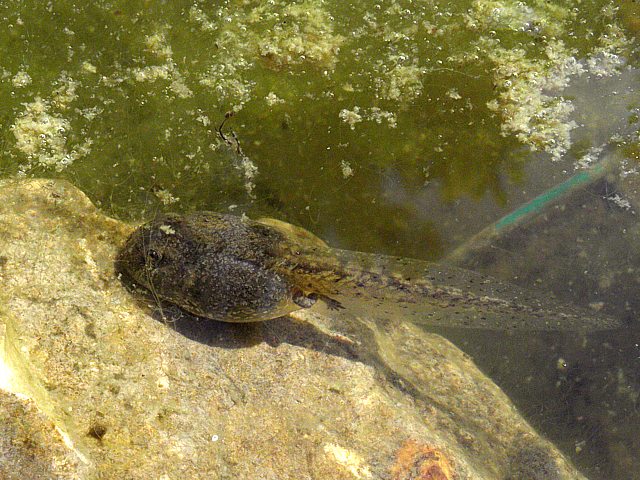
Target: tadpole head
column 143, row 252
column 131, row 259
column 212, row 265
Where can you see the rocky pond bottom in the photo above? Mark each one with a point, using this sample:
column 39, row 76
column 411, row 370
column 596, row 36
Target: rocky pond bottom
column 105, row 384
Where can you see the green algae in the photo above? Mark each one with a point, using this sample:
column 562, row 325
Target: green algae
column 331, row 100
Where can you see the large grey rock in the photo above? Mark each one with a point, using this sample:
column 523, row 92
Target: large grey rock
column 295, row 398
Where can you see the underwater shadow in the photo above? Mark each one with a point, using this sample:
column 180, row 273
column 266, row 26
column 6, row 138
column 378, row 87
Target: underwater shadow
column 283, row 330
column 354, row 342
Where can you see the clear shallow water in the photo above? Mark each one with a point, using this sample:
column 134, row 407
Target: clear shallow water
column 386, row 127
column 581, row 390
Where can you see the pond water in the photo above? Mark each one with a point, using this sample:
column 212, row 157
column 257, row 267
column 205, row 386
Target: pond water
column 394, row 127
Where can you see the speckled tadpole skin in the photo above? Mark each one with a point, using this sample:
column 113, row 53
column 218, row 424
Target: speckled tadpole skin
column 215, row 266
column 233, row 269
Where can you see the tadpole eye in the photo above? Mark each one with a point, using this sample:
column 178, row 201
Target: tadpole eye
column 154, row 255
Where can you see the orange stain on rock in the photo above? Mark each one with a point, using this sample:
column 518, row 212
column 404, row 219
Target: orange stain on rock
column 415, row 461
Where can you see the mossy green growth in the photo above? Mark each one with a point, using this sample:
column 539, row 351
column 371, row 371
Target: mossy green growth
column 339, row 107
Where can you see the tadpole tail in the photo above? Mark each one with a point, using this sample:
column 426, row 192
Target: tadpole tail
column 433, row 294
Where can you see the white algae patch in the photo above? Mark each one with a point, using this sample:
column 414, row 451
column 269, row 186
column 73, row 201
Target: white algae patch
column 42, row 136
column 158, row 45
column 351, row 117
column 272, row 99
column 21, row 79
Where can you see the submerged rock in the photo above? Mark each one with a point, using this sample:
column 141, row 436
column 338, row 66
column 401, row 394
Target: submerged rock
column 289, row 398
column 30, row 446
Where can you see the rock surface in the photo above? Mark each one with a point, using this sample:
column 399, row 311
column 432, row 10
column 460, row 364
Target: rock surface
column 30, row 446
column 143, row 391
